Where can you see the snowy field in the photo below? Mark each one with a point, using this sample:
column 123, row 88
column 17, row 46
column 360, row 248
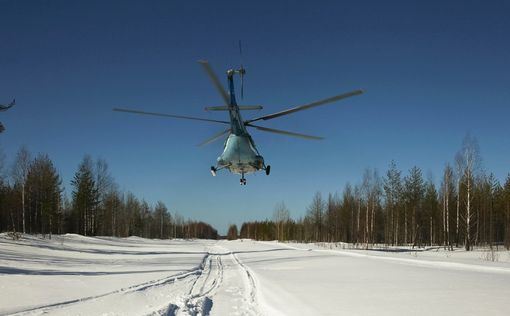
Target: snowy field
column 77, row 275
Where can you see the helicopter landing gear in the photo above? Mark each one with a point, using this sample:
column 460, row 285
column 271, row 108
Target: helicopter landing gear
column 242, row 181
column 213, row 171
column 268, row 170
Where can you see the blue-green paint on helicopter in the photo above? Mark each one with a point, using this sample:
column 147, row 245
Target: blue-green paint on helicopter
column 240, row 155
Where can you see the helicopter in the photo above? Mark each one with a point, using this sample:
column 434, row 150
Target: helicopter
column 5, row 108
column 240, row 155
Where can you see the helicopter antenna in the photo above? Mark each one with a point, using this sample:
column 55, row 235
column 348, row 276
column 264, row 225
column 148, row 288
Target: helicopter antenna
column 241, row 70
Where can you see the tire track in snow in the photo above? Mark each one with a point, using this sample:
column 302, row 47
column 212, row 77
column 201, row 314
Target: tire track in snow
column 199, row 299
column 195, row 272
column 251, row 280
column 198, row 287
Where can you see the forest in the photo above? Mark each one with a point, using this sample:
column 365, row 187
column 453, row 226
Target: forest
column 469, row 207
column 33, row 201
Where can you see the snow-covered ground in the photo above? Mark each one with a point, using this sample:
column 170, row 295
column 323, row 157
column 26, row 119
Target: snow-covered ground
column 77, row 275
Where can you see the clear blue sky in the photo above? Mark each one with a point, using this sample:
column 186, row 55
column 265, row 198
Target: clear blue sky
column 432, row 71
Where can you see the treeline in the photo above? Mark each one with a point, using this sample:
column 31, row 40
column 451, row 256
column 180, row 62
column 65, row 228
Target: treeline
column 468, row 207
column 32, row 200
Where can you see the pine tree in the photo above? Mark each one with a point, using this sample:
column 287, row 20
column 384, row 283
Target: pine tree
column 105, row 185
column 348, row 217
column 413, row 192
column 162, row 218
column 506, row 207
column 431, row 212
column 393, row 197
column 44, row 193
column 85, row 197
column 232, row 232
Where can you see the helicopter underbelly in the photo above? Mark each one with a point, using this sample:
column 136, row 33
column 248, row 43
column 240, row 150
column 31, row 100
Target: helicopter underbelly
column 240, row 156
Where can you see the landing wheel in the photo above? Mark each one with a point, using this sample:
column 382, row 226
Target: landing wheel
column 268, row 170
column 213, row 171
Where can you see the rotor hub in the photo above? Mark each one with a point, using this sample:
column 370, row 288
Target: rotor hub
column 241, row 71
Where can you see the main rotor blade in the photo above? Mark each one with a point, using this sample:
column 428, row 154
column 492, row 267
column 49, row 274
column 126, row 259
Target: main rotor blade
column 277, row 131
column 215, row 80
column 307, row 106
column 214, row 138
column 8, row 106
column 169, row 115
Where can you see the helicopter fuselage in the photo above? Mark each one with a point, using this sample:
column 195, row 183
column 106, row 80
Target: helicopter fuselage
column 240, row 155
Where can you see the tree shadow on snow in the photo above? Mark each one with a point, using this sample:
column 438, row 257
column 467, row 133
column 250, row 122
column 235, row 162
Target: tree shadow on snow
column 11, row 270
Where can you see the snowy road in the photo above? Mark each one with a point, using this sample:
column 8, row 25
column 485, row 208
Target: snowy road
column 76, row 275
column 330, row 282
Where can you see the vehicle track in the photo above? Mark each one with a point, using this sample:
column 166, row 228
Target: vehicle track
column 193, row 273
column 251, row 280
column 193, row 290
column 199, row 300
column 203, row 291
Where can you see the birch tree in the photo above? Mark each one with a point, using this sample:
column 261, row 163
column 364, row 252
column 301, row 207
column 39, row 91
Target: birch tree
column 281, row 216
column 392, row 193
column 366, row 186
column 470, row 154
column 20, row 173
column 316, row 214
column 358, row 198
column 459, row 167
column 446, row 193
column 371, row 186
column 349, row 210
